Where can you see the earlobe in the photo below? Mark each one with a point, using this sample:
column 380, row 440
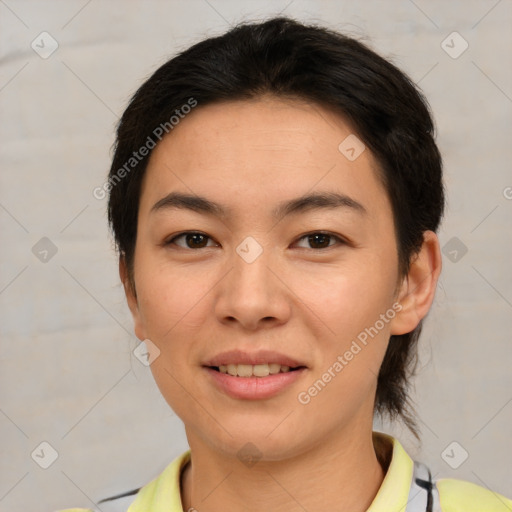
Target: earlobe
column 418, row 287
column 131, row 299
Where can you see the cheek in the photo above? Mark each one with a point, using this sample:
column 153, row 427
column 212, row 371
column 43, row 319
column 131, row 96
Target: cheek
column 347, row 297
column 169, row 298
column 173, row 308
column 350, row 300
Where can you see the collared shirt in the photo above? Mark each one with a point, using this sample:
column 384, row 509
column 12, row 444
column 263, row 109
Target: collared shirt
column 404, row 489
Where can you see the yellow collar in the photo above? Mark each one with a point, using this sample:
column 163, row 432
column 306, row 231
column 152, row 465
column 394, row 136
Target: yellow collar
column 394, row 491
column 163, row 493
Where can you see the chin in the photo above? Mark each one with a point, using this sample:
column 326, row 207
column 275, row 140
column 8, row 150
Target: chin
column 256, row 441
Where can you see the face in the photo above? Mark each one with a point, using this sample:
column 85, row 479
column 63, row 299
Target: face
column 312, row 286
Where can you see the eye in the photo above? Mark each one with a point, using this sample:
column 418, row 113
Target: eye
column 196, row 240
column 320, row 239
column 193, row 240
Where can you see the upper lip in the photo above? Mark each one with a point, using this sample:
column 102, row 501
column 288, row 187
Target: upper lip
column 258, row 357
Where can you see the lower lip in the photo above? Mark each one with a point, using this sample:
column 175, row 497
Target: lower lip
column 254, row 388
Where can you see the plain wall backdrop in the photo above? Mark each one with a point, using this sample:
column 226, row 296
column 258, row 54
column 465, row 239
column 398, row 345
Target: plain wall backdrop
column 68, row 375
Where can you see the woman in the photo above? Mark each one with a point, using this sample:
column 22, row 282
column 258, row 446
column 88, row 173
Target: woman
column 275, row 195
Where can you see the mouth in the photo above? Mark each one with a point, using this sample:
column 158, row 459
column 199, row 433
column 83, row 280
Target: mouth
column 256, row 370
column 257, row 375
column 254, row 382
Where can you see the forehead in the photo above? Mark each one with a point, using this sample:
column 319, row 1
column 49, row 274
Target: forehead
column 254, row 153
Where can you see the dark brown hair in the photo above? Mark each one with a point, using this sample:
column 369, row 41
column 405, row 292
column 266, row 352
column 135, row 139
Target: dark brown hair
column 289, row 59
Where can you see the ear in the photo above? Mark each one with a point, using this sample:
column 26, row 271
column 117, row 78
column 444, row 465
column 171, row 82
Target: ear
column 131, row 299
column 418, row 288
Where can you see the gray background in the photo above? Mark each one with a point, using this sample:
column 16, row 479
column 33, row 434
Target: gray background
column 68, row 375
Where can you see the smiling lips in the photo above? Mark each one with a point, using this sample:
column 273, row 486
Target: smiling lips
column 258, row 364
column 239, row 357
column 253, row 376
column 256, row 370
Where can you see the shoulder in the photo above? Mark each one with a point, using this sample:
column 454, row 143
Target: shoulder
column 75, row 510
column 159, row 495
column 462, row 496
column 119, row 503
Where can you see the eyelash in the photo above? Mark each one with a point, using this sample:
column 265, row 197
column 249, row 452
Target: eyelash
column 340, row 240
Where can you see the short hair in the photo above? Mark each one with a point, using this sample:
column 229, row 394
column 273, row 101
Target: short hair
column 292, row 60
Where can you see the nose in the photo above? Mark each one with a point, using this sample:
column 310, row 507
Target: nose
column 253, row 294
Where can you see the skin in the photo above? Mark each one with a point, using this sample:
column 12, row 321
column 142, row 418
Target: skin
column 298, row 298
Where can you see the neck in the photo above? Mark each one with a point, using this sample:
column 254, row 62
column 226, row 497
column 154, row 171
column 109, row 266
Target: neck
column 342, row 475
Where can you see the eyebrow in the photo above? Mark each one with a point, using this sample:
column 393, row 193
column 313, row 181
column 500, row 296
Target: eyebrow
column 314, row 201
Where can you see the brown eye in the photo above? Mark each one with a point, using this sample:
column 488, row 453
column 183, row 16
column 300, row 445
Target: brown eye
column 319, row 240
column 193, row 240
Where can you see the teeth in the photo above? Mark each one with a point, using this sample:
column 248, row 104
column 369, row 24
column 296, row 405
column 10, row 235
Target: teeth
column 256, row 370
column 274, row 368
